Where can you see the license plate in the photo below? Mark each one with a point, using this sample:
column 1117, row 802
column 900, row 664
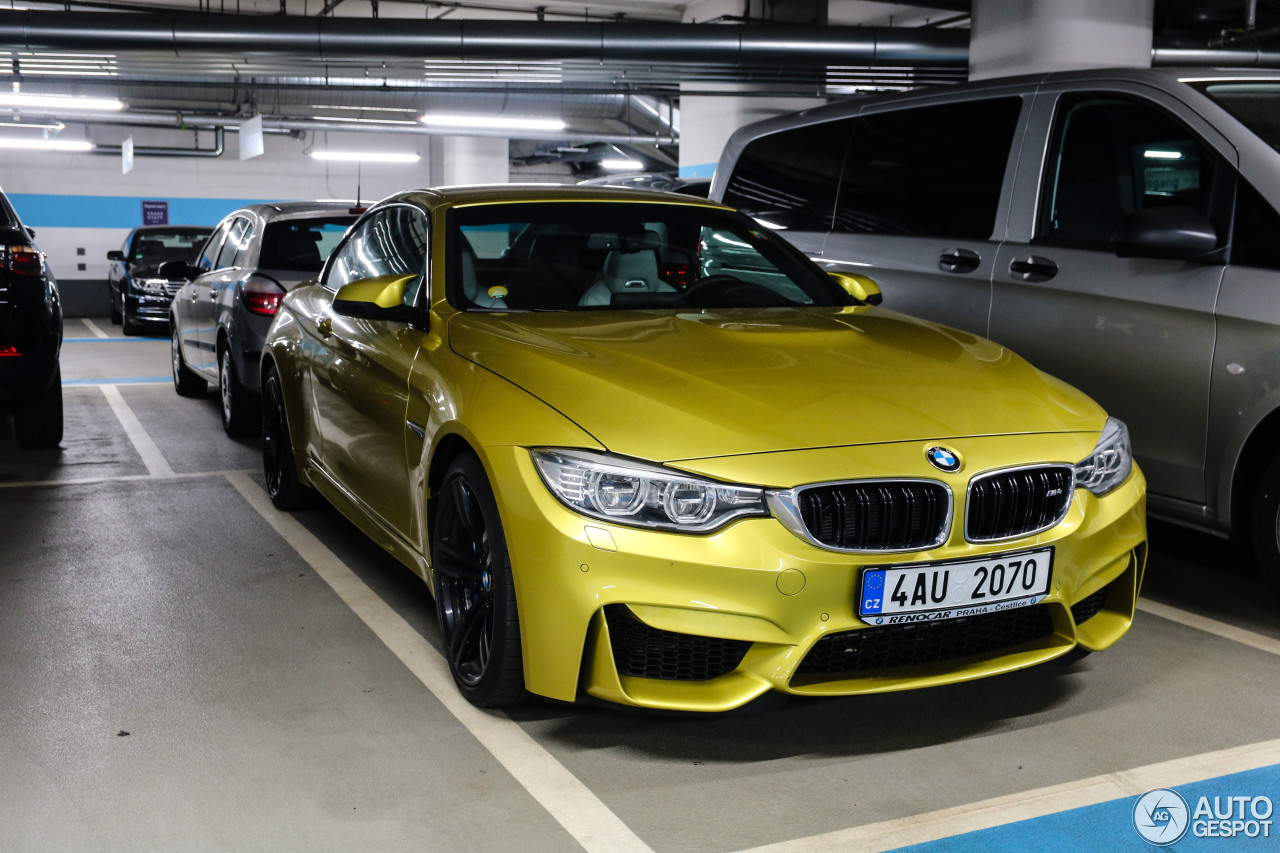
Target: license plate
column 928, row 591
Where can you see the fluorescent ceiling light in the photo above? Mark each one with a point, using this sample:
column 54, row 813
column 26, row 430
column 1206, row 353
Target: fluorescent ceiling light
column 32, row 125
column 620, row 164
column 366, row 156
column 1154, row 154
column 46, row 144
column 493, row 122
column 58, row 102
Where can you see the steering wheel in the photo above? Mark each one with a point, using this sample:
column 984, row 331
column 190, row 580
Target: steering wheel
column 727, row 291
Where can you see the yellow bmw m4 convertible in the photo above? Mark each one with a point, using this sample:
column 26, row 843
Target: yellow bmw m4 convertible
column 643, row 449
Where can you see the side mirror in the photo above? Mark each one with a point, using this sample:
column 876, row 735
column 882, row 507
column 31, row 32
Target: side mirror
column 115, row 255
column 377, row 298
column 1170, row 233
column 860, row 287
column 175, row 270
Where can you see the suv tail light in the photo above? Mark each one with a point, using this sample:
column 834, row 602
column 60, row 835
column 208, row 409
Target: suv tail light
column 262, row 295
column 8, row 349
column 20, row 260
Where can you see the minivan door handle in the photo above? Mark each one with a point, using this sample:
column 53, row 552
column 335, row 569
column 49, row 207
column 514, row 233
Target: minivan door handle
column 1033, row 268
column 959, row 260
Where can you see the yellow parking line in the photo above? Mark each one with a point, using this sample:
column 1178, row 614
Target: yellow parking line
column 582, row 814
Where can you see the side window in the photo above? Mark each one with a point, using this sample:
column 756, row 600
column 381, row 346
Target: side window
column 209, row 254
column 393, row 241
column 1111, row 157
column 1254, row 241
column 928, row 171
column 231, row 246
column 245, row 241
column 789, row 178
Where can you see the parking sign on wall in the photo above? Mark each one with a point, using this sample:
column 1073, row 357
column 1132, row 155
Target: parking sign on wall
column 155, row 213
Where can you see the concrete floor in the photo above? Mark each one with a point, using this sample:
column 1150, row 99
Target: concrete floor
column 183, row 668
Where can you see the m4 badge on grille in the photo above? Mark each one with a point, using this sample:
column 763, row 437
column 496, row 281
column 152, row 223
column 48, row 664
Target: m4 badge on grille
column 943, row 459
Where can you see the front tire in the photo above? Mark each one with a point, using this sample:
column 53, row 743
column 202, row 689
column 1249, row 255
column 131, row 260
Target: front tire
column 128, row 325
column 115, row 309
column 185, row 381
column 1264, row 527
column 279, row 468
column 475, row 591
column 241, row 414
column 38, row 423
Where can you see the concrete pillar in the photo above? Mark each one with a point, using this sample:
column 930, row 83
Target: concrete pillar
column 469, row 160
column 1028, row 36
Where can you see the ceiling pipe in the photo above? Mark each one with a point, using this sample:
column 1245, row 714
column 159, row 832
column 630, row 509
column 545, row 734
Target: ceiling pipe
column 152, row 151
column 208, row 122
column 182, row 33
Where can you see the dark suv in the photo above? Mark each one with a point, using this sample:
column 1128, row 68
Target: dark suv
column 30, row 336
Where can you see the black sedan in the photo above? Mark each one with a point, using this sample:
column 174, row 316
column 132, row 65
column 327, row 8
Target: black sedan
column 30, row 336
column 220, row 317
column 139, row 295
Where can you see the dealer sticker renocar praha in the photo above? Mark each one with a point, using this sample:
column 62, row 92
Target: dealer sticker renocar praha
column 1162, row 817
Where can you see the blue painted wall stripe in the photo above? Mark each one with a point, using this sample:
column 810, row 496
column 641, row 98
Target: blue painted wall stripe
column 702, row 170
column 99, row 211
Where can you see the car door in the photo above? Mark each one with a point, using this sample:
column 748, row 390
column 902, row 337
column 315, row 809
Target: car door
column 1136, row 333
column 215, row 287
column 186, row 303
column 360, row 377
column 921, row 205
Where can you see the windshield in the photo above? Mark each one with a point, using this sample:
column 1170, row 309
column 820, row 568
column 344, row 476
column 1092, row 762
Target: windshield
column 301, row 244
column 153, row 248
column 565, row 256
column 1254, row 103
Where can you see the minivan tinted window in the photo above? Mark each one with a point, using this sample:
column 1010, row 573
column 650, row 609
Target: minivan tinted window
column 932, row 171
column 788, row 179
column 1255, row 104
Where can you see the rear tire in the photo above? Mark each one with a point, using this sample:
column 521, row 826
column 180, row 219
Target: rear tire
column 241, row 411
column 475, row 591
column 38, row 423
column 286, row 491
column 185, row 381
column 1264, row 527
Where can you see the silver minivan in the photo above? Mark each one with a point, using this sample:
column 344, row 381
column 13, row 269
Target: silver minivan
column 1119, row 229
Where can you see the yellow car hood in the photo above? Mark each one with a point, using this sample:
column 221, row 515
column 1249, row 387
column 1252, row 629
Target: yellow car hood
column 669, row 386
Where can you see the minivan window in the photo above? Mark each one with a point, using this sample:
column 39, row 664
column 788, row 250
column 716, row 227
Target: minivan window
column 1111, row 157
column 1253, row 242
column 933, row 171
column 1256, row 105
column 788, row 179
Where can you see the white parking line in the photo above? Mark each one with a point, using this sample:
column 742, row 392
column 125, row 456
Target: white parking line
column 156, row 464
column 1243, row 636
column 918, row 829
column 93, row 327
column 582, row 814
column 117, row 478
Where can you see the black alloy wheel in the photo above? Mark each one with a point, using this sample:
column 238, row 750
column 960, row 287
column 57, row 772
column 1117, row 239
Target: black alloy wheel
column 185, row 382
column 240, row 415
column 1264, row 525
column 279, row 469
column 475, row 591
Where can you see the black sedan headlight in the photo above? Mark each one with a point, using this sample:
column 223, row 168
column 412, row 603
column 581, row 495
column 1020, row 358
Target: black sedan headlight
column 626, row 491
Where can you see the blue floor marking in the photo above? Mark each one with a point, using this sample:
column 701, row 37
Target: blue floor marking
column 132, row 380
column 1107, row 827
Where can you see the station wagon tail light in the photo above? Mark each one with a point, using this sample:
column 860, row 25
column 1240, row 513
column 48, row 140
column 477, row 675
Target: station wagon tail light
column 1110, row 462
column 20, row 260
column 625, row 491
column 8, row 349
column 262, row 295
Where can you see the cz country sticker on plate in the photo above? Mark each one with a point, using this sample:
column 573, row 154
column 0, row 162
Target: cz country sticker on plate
column 927, row 591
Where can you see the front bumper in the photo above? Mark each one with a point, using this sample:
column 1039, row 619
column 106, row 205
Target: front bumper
column 707, row 623
column 148, row 306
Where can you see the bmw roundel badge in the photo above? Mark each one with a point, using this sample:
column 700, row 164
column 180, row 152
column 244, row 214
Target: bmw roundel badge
column 943, row 459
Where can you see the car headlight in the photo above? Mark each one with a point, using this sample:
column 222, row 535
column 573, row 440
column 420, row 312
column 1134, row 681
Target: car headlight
column 628, row 492
column 155, row 286
column 1109, row 463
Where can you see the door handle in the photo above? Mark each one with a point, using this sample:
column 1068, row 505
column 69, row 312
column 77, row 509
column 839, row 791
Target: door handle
column 213, row 294
column 959, row 260
column 1033, row 268
column 324, row 326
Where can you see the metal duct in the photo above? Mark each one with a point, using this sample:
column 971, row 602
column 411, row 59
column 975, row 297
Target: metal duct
column 483, row 39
